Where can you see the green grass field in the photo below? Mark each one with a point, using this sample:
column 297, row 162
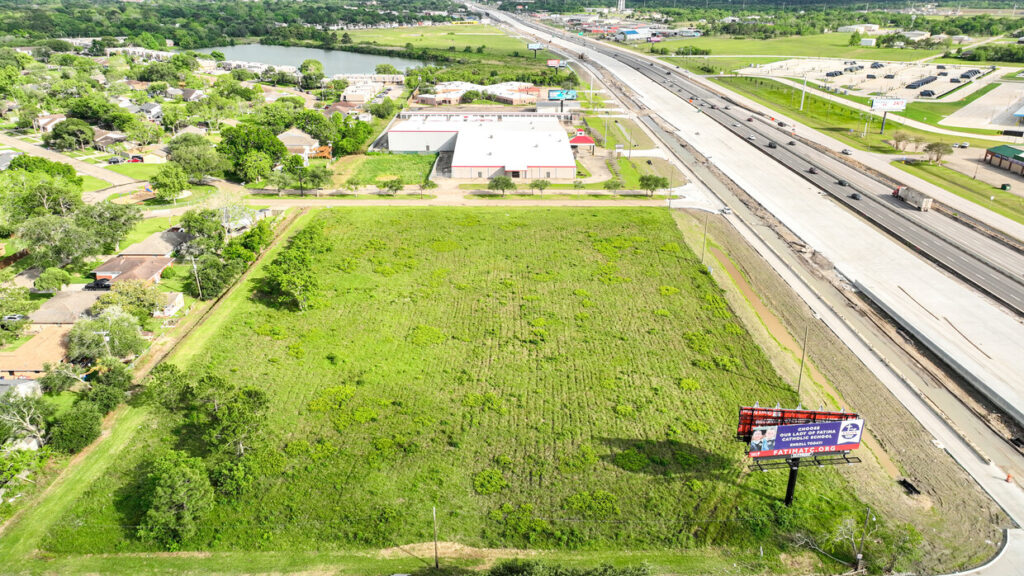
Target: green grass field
column 138, row 171
column 620, row 131
column 833, row 118
column 981, row 193
column 495, row 41
column 147, row 228
column 816, row 45
column 92, row 183
column 411, row 168
column 700, row 65
column 580, row 359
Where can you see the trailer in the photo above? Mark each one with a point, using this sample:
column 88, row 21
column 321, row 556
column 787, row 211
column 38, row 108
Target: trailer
column 919, row 200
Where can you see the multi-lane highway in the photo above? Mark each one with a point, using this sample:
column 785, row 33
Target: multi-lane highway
column 994, row 268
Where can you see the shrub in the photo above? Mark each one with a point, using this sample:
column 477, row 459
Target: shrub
column 632, row 460
column 76, row 429
column 490, row 481
column 596, row 504
column 105, row 397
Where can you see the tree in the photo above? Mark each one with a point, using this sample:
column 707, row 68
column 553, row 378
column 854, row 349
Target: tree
column 292, row 277
column 13, row 300
column 854, row 39
column 305, row 177
column 57, row 241
column 25, row 416
column 900, row 140
column 76, row 429
column 427, row 185
column 169, row 182
column 28, row 194
column 133, row 296
column 501, row 184
column 386, row 69
column 198, row 161
column 39, row 164
column 144, row 132
column 254, row 166
column 206, row 229
column 393, row 185
column 239, row 420
column 936, row 150
column 652, row 183
column 51, row 280
column 177, row 494
column 70, row 134
column 613, row 185
column 237, row 141
column 217, row 56
column 540, row 185
column 211, row 275
column 110, row 223
column 59, row 377
column 346, row 38
column 312, row 74
column 113, row 333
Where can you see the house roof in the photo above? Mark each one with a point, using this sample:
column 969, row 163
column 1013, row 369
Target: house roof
column 582, row 139
column 48, row 346
column 20, row 386
column 149, row 106
column 157, row 244
column 108, row 136
column 65, row 307
column 1007, row 151
column 133, row 267
column 296, row 137
column 188, row 93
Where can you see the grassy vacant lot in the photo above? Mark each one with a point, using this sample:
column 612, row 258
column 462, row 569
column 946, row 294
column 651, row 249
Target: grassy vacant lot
column 556, row 378
column 620, row 131
column 495, row 41
column 833, row 118
column 1006, row 203
column 816, row 45
column 139, row 171
column 700, row 64
column 411, row 168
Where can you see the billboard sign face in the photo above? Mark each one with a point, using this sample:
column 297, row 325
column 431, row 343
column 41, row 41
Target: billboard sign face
column 888, row 104
column 805, row 439
column 534, row 46
column 752, row 417
column 561, row 94
column 553, row 63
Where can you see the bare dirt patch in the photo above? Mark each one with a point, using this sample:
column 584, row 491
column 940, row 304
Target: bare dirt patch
column 455, row 551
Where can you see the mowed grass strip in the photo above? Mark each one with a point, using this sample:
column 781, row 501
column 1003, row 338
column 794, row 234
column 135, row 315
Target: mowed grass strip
column 832, row 45
column 557, row 378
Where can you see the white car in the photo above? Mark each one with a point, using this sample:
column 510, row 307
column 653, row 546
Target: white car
column 847, row 152
column 751, row 137
column 965, row 144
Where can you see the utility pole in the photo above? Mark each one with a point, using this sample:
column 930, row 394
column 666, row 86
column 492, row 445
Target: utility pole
column 860, row 547
column 195, row 272
column 803, row 357
column 803, row 94
column 704, row 242
column 434, row 513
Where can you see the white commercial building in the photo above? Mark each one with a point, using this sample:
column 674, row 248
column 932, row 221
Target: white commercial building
column 859, row 28
column 485, row 146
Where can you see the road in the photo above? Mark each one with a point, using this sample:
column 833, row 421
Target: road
column 82, row 167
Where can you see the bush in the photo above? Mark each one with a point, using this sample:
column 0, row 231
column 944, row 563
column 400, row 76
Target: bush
column 632, row 460
column 490, row 481
column 76, row 429
column 105, row 398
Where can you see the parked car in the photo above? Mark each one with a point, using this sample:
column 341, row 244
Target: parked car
column 956, row 144
column 965, row 144
column 96, row 285
column 115, row 160
column 843, row 183
column 12, row 319
column 735, row 124
column 726, row 210
column 847, row 152
column 751, row 137
column 136, row 158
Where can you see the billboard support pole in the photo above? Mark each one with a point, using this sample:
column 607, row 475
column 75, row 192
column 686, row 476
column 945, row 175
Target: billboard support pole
column 884, row 114
column 794, row 468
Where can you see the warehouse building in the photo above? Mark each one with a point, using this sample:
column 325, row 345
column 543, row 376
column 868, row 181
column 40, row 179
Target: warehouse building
column 485, row 146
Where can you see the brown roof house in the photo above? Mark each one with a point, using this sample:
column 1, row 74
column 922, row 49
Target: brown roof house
column 145, row 268
column 46, row 122
column 105, row 139
column 159, row 244
column 65, row 308
column 298, row 142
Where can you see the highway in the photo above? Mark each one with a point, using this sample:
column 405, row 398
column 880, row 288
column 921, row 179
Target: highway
column 984, row 263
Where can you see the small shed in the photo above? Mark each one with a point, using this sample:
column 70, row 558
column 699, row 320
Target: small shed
column 173, row 302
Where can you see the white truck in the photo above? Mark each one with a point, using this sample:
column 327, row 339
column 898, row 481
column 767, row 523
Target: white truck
column 918, row 200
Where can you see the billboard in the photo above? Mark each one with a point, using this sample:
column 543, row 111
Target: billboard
column 561, row 94
column 888, row 104
column 805, row 439
column 553, row 63
column 752, row 417
column 534, row 46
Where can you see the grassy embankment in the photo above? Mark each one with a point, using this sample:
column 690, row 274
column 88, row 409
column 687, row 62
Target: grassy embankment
column 981, row 193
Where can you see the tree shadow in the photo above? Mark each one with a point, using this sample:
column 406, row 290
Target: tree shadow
column 132, row 500
column 666, row 458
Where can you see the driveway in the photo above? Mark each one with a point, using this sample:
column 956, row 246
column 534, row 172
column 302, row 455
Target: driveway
column 82, row 167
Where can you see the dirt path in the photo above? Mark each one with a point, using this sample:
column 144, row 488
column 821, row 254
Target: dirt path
column 83, row 167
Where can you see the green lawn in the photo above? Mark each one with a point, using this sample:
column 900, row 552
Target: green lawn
column 702, row 65
column 136, row 170
column 494, row 40
column 147, row 228
column 92, row 183
column 411, row 168
column 837, row 120
column 620, row 131
column 1006, row 203
column 569, row 353
column 832, row 45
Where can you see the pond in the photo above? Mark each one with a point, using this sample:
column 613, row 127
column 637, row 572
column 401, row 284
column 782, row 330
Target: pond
column 334, row 61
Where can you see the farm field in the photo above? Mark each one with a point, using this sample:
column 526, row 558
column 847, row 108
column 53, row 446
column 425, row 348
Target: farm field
column 444, row 37
column 549, row 378
column 833, row 45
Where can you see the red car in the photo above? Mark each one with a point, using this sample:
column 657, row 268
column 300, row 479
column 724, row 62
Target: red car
column 136, row 159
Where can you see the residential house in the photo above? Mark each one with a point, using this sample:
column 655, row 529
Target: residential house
column 342, row 108
column 174, row 92
column 298, row 142
column 191, row 95
column 106, row 139
column 173, row 301
column 152, row 110
column 192, row 130
column 138, row 85
column 163, row 244
column 64, row 308
column 46, row 122
column 29, row 360
column 145, row 268
column 20, row 387
column 237, row 222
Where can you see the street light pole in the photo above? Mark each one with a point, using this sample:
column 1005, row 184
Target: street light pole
column 704, row 241
column 803, row 358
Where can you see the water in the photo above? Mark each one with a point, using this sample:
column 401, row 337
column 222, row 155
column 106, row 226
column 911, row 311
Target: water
column 334, row 61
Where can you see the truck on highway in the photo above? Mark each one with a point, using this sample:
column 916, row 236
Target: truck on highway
column 919, row 200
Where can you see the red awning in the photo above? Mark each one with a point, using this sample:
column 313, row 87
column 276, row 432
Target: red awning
column 582, row 140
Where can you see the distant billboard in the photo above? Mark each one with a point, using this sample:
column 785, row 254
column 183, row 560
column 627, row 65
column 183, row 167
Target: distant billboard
column 752, row 417
column 561, row 94
column 534, row 46
column 805, row 439
column 888, row 104
column 553, row 63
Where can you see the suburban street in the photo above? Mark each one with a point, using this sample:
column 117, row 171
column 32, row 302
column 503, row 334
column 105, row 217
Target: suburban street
column 82, row 167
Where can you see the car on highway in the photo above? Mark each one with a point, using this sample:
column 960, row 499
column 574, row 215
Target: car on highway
column 735, row 124
column 782, row 124
column 726, row 211
column 751, row 137
column 842, row 183
column 847, row 152
column 750, row 119
column 791, row 143
column 773, row 145
column 855, row 196
column 97, row 285
column 812, row 170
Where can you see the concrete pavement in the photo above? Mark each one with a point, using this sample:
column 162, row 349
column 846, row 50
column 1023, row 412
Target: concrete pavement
column 82, row 167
